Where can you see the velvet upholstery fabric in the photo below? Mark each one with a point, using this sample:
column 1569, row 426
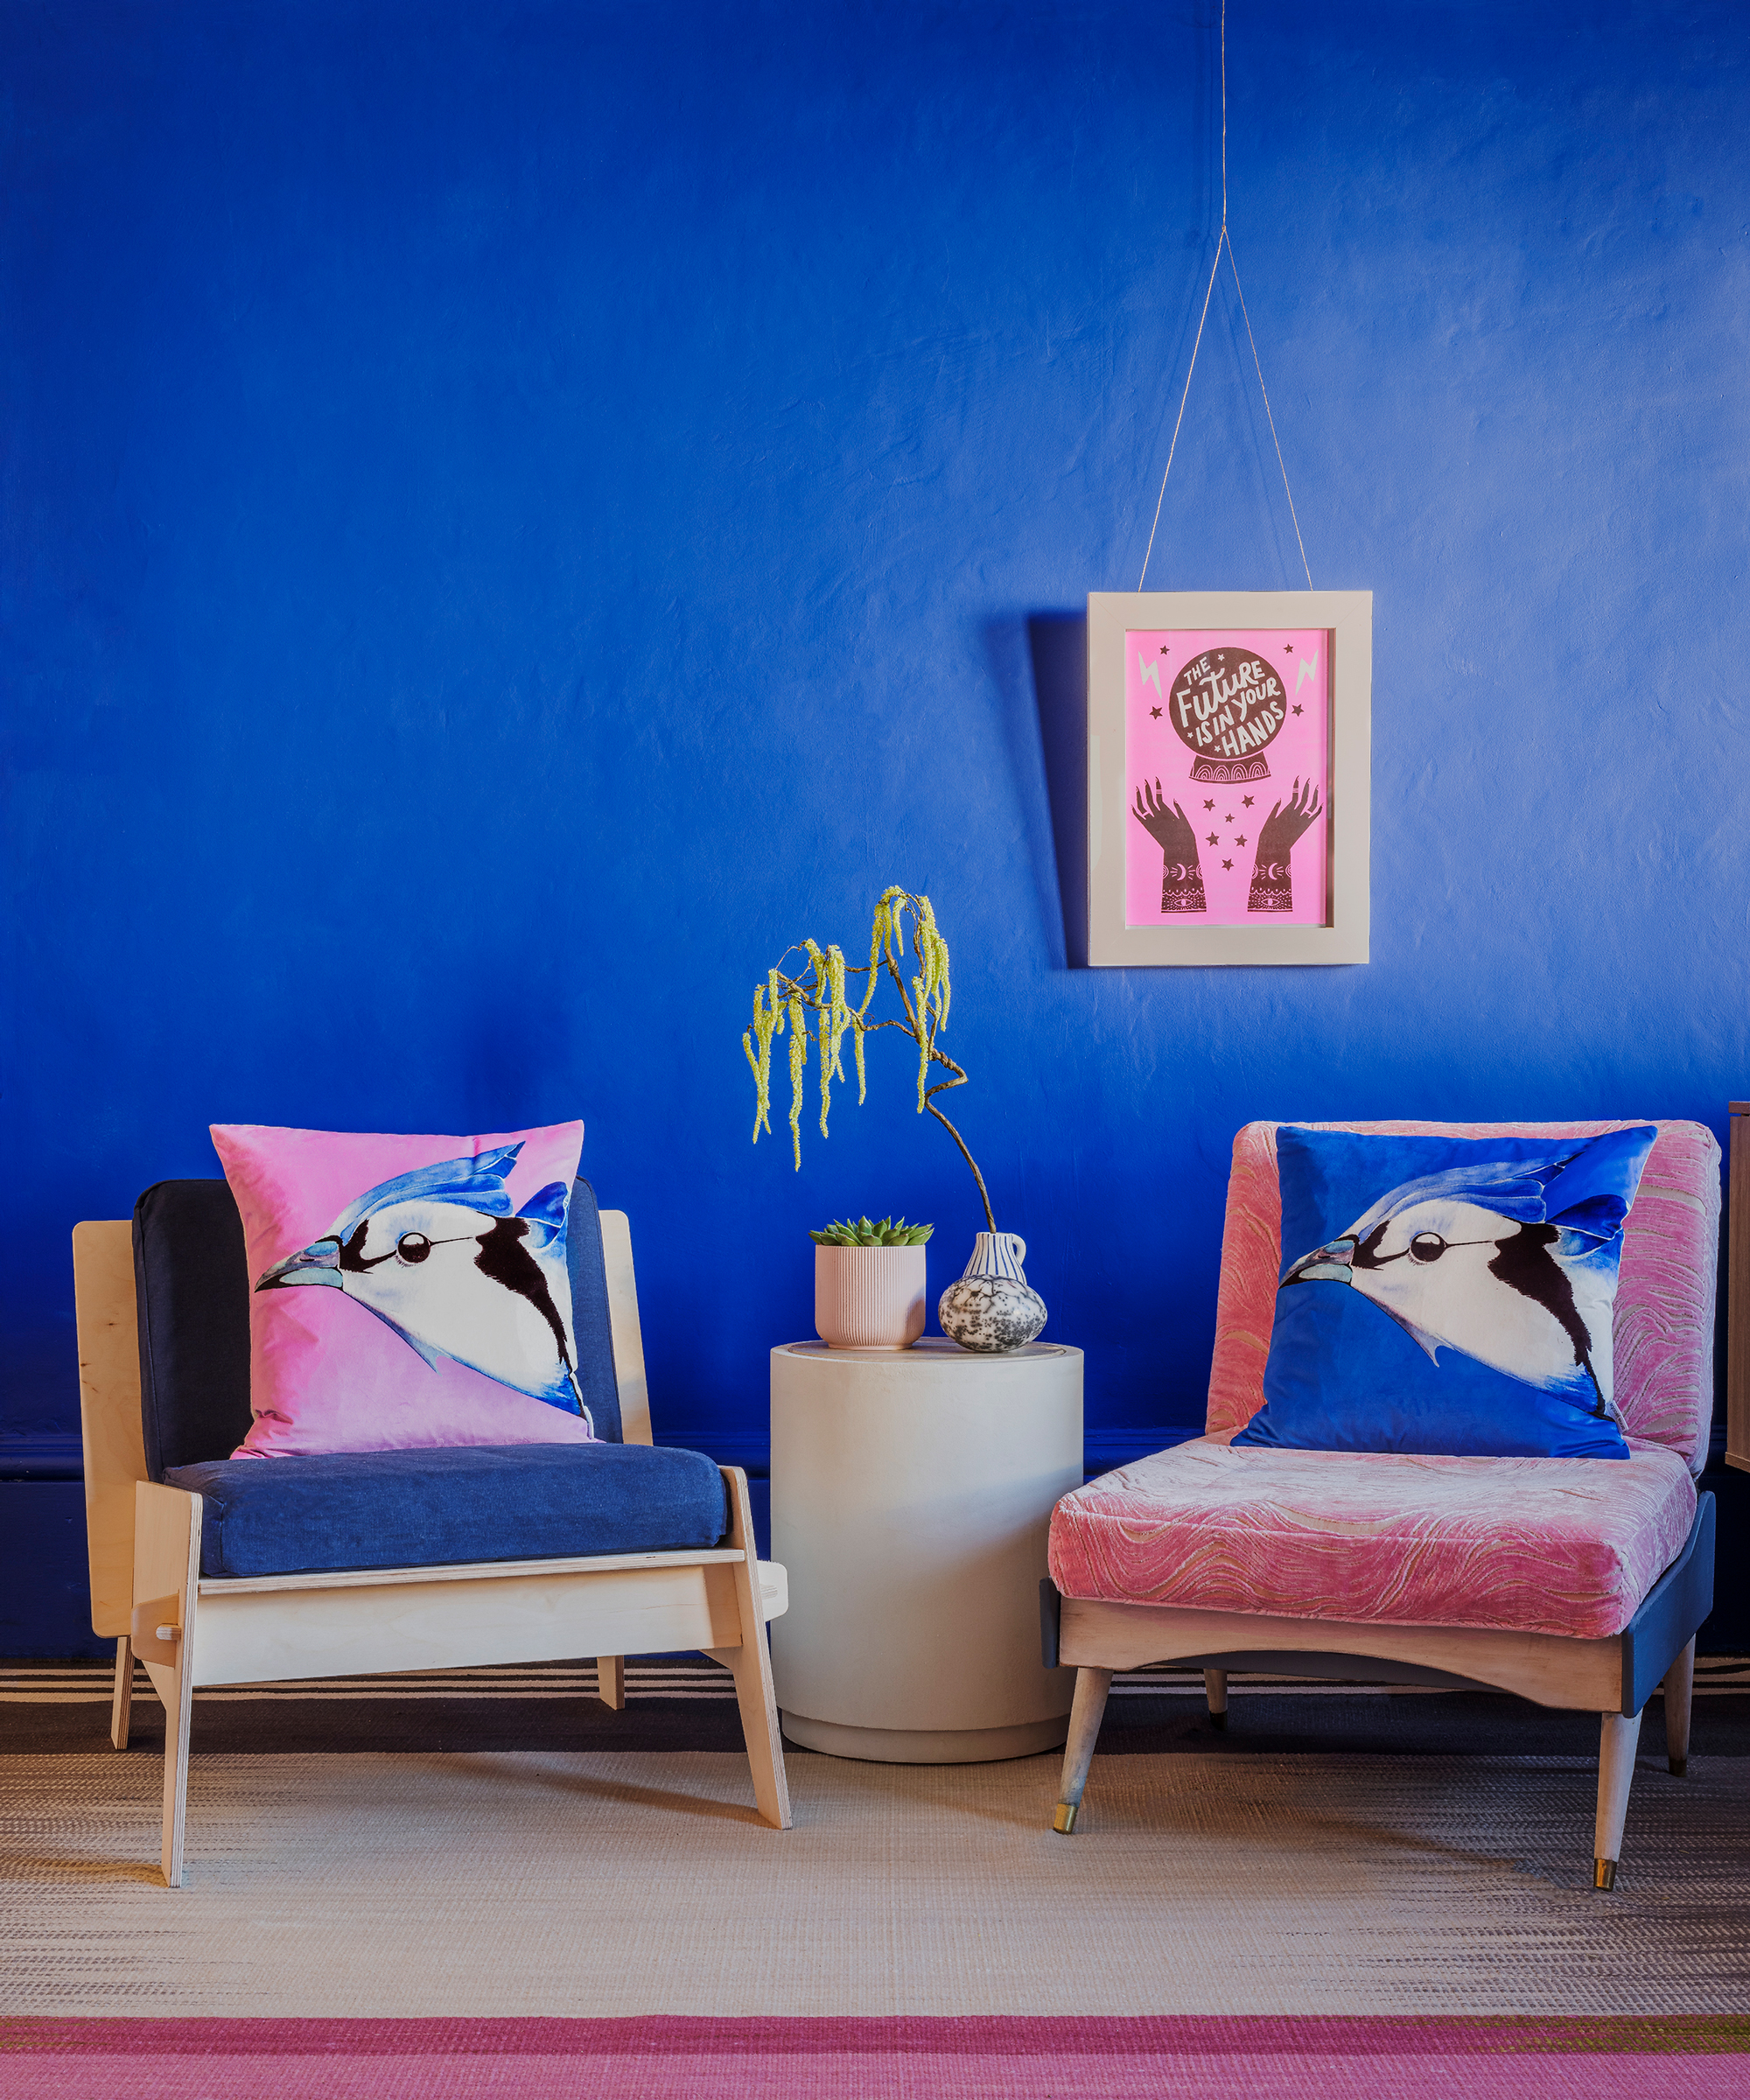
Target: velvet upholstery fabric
column 1567, row 1546
column 436, row 1507
column 1544, row 1545
column 192, row 1285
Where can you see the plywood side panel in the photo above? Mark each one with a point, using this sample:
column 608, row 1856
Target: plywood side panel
column 628, row 1337
column 108, row 1413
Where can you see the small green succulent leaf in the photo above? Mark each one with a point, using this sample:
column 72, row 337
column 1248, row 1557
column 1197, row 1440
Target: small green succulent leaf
column 842, row 1232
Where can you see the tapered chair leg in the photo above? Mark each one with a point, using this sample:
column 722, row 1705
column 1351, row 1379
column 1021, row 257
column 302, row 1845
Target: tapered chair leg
column 611, row 1681
column 121, row 1701
column 1617, row 1739
column 750, row 1664
column 178, row 1717
column 1089, row 1704
column 1679, row 1689
column 1215, row 1690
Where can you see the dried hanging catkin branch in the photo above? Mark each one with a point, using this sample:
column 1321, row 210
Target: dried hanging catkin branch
column 783, row 1002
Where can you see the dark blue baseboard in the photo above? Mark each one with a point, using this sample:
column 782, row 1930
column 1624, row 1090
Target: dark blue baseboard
column 45, row 1592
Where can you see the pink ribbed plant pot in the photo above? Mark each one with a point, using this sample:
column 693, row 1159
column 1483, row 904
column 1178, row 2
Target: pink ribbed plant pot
column 868, row 1297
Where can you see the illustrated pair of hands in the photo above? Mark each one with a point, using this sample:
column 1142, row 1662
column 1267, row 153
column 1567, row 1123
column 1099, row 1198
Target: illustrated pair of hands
column 1172, row 831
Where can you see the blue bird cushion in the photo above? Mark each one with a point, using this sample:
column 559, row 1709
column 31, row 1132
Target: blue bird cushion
column 1448, row 1295
column 406, row 1293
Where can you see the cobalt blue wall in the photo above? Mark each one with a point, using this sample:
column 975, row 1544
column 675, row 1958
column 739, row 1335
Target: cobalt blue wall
column 515, row 512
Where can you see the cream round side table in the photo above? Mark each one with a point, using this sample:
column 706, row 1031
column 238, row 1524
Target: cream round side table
column 912, row 1490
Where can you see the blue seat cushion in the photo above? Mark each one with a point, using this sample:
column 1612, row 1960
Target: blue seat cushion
column 424, row 1508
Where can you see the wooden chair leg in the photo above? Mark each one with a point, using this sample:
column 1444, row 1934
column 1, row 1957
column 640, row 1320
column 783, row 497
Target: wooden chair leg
column 178, row 1715
column 166, row 1591
column 1089, row 1704
column 1215, row 1690
column 121, row 1701
column 750, row 1664
column 611, row 1681
column 1679, row 1690
column 1617, row 1739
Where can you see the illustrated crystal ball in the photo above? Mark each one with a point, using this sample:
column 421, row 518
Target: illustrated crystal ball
column 990, row 1314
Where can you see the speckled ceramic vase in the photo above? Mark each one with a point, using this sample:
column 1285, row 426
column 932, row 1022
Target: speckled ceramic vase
column 991, row 1310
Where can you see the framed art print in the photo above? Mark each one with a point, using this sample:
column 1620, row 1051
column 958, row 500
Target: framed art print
column 1227, row 742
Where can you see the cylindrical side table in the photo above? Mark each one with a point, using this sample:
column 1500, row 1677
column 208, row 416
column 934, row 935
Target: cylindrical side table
column 911, row 1492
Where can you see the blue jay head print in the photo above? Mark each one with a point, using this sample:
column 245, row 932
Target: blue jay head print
column 438, row 1255
column 1512, row 1262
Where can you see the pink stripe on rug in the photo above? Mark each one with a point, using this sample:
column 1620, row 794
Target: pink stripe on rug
column 1073, row 2058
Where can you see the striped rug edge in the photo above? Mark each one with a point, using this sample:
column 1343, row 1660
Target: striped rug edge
column 904, row 2034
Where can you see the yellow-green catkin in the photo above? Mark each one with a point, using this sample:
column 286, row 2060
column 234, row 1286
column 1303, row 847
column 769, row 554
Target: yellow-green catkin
column 799, row 1058
column 835, row 1019
column 767, row 1023
column 878, row 939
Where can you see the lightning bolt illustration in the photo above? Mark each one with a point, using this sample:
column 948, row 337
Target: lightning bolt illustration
column 1309, row 665
column 1150, row 671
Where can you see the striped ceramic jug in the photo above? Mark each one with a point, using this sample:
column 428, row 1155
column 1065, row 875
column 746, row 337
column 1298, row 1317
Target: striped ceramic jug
column 997, row 1254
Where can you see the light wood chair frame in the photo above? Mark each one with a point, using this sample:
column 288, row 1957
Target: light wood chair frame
column 190, row 1631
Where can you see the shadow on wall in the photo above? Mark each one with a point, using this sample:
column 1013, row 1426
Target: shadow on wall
column 1059, row 645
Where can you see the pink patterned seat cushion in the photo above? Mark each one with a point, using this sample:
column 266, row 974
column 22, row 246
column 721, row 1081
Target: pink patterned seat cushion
column 1544, row 1545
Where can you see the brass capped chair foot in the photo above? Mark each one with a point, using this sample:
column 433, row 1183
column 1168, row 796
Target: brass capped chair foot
column 1680, row 1767
column 1063, row 1816
column 1604, row 1873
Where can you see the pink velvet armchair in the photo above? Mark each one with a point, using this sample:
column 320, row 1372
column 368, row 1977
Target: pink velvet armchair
column 1576, row 1583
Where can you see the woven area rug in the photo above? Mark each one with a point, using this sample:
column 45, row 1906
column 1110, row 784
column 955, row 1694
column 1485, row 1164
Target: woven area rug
column 1397, row 1902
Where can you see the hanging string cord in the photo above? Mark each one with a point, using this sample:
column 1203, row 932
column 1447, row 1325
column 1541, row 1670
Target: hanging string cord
column 1183, row 398
column 1224, row 241
column 1264, row 390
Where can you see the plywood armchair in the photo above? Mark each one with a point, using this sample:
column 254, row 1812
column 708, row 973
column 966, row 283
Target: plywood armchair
column 284, row 1568
column 1575, row 1582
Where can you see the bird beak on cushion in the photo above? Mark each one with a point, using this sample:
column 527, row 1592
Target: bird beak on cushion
column 318, row 1264
column 1329, row 1265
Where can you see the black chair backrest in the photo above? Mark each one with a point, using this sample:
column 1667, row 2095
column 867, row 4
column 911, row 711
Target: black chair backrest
column 192, row 1278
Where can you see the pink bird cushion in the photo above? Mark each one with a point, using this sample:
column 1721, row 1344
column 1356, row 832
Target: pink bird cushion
column 406, row 1292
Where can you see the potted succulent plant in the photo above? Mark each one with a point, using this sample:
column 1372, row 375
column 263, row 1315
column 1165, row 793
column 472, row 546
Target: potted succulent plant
column 869, row 1283
column 991, row 1308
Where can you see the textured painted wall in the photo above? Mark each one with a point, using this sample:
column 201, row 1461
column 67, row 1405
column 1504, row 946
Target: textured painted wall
column 512, row 513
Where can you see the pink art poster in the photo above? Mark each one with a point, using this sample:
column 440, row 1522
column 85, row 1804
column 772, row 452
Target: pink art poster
column 1227, row 771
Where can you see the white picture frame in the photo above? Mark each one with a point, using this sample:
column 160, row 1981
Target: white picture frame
column 1212, row 924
